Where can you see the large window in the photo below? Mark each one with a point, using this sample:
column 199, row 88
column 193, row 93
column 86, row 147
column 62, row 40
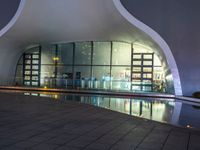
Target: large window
column 98, row 65
column 48, row 54
column 121, row 78
column 101, row 76
column 83, row 53
column 65, row 54
column 82, row 76
column 101, row 53
column 121, row 54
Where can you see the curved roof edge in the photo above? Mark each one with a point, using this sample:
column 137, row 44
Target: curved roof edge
column 158, row 39
column 14, row 18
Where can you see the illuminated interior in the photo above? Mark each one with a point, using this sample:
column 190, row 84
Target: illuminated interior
column 92, row 65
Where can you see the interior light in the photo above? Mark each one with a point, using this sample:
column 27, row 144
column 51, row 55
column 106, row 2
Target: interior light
column 189, row 126
column 55, row 58
column 56, row 96
column 169, row 77
column 45, row 87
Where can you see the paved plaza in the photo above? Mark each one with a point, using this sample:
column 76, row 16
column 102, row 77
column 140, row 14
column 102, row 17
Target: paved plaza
column 39, row 123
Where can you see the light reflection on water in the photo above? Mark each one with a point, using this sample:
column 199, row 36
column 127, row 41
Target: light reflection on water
column 162, row 110
column 149, row 109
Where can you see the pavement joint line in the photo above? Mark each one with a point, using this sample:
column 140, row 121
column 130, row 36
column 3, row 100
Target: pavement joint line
column 148, row 133
column 123, row 136
column 188, row 143
column 163, row 145
column 94, row 122
column 53, row 121
column 104, row 134
column 87, row 132
column 38, row 134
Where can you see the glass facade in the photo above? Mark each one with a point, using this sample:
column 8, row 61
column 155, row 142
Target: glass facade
column 121, row 54
column 83, row 52
column 101, row 53
column 97, row 65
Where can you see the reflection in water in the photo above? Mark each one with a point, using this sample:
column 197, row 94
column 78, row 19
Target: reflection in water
column 162, row 110
column 149, row 109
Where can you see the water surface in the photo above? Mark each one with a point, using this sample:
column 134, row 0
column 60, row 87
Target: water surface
column 169, row 111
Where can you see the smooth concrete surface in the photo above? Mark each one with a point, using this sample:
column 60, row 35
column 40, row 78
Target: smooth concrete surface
column 38, row 123
column 178, row 22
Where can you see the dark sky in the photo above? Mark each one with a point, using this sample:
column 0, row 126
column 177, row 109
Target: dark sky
column 7, row 11
column 178, row 22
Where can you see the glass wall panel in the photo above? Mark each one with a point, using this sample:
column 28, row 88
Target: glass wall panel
column 139, row 63
column 48, row 54
column 35, row 62
column 137, row 69
column 121, row 54
column 35, row 72
column 101, row 75
column 83, row 53
column 47, row 71
column 147, row 69
column 137, row 56
column 101, row 72
column 147, row 75
column 65, row 54
column 84, row 72
column 82, row 76
column 28, row 67
column 47, row 75
column 33, row 67
column 101, row 53
column 121, row 78
column 28, row 62
column 147, row 63
column 35, row 56
column 148, row 56
column 64, row 71
column 64, row 76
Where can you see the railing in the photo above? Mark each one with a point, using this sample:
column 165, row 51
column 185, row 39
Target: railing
column 119, row 85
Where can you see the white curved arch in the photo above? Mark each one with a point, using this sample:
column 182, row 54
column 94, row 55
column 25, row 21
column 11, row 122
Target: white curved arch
column 41, row 22
column 159, row 40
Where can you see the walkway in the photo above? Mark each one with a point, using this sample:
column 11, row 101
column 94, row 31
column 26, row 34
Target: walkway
column 38, row 123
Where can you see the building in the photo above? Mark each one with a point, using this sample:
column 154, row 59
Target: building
column 99, row 44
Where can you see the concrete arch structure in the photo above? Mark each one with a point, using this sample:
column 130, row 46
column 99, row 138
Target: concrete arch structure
column 41, row 22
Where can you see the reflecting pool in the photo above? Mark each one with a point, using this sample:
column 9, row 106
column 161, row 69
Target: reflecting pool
column 164, row 110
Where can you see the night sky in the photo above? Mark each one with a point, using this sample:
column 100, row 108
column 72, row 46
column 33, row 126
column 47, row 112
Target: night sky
column 178, row 22
column 7, row 10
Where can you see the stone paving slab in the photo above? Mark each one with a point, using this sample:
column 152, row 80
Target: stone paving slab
column 38, row 123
